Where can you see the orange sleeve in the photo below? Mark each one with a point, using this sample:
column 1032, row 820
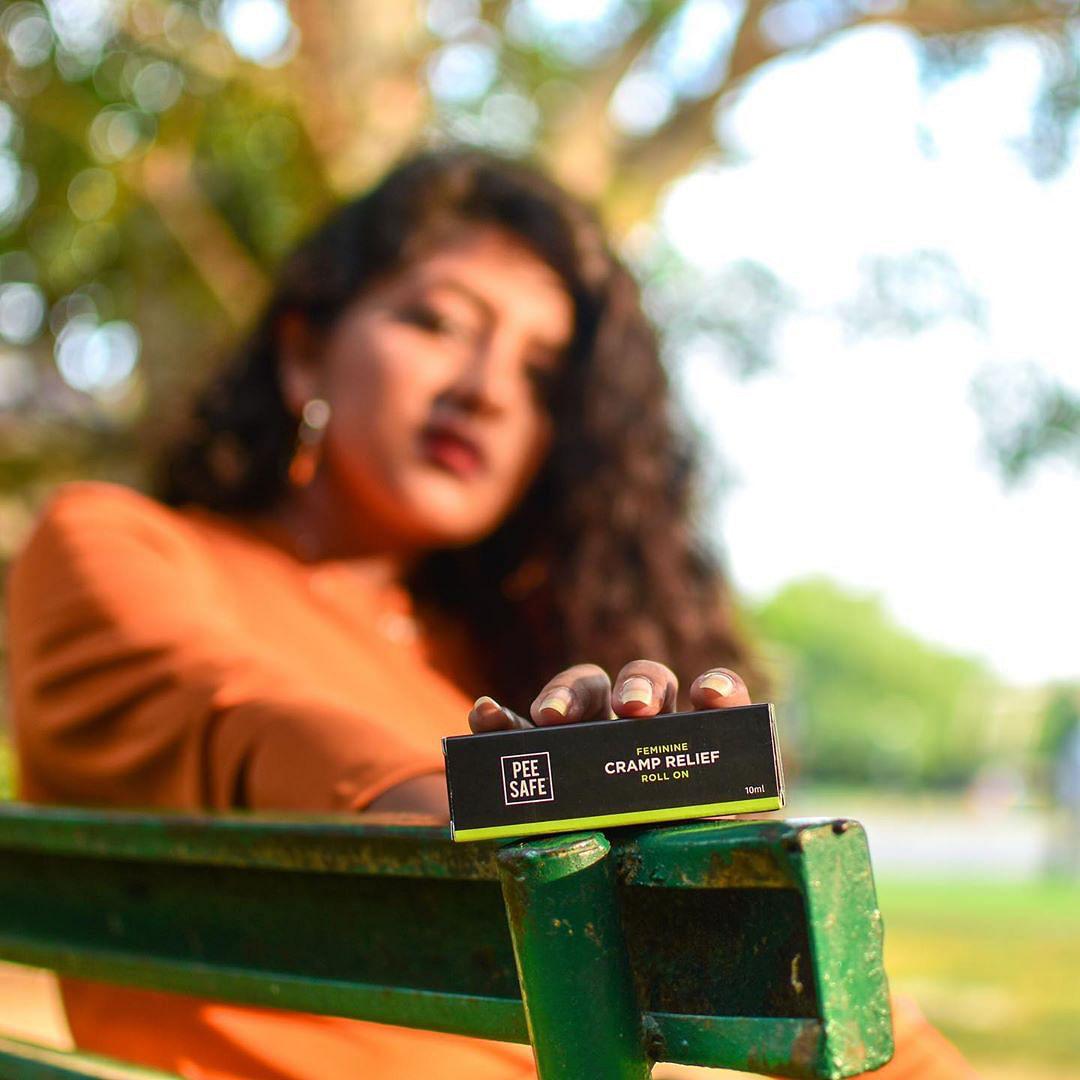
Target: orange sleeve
column 922, row 1052
column 132, row 687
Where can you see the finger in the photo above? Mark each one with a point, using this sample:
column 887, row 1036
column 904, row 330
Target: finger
column 580, row 693
column 718, row 688
column 488, row 715
column 644, row 688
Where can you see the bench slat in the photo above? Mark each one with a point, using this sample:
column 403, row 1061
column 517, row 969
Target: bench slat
column 747, row 942
column 20, row 1060
column 383, row 844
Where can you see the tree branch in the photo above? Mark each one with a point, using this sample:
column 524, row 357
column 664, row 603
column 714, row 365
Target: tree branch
column 581, row 145
column 358, row 84
column 645, row 166
column 163, row 179
column 929, row 17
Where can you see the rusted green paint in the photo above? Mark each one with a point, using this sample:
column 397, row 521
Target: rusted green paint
column 572, row 960
column 775, row 1046
column 394, row 844
column 753, row 945
column 433, row 954
column 846, row 937
column 21, row 1060
column 710, row 855
column 835, row 975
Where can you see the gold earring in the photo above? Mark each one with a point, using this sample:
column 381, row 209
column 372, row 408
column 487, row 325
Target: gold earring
column 309, row 436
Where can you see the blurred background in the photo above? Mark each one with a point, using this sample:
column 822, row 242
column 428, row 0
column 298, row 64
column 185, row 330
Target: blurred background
column 855, row 223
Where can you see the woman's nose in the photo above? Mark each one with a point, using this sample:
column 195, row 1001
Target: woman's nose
column 484, row 379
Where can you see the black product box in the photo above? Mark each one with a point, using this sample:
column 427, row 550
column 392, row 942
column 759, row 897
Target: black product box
column 613, row 772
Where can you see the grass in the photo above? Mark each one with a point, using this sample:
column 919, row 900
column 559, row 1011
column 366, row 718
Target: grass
column 994, row 965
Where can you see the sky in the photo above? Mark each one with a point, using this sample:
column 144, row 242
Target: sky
column 862, row 458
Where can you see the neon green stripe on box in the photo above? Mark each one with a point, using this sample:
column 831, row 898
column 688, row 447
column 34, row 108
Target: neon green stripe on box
column 632, row 817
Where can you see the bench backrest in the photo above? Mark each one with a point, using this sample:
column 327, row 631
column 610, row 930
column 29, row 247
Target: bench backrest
column 750, row 945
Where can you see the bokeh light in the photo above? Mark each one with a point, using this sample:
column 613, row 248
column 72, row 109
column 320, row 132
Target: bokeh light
column 91, row 194
column 83, row 26
column 9, row 125
column 570, row 12
column 69, row 308
column 22, row 310
column 510, row 121
column 27, row 33
column 689, row 52
column 462, row 72
column 10, row 175
column 642, row 102
column 580, row 31
column 96, row 359
column 157, row 86
column 118, row 132
column 449, row 18
column 258, row 30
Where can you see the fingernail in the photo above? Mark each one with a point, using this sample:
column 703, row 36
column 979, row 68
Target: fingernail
column 485, row 700
column 559, row 700
column 636, row 688
column 719, row 683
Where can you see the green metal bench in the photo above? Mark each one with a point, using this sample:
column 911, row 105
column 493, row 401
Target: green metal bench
column 750, row 945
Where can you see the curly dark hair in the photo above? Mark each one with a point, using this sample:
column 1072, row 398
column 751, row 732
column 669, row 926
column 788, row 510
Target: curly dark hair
column 600, row 561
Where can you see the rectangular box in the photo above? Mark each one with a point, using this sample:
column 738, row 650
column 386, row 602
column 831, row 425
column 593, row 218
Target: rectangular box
column 613, row 772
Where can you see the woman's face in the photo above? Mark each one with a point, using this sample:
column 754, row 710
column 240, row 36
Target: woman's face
column 437, row 379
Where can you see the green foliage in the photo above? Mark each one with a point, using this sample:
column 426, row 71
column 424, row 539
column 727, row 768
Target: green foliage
column 869, row 700
column 1028, row 418
column 1060, row 717
column 152, row 169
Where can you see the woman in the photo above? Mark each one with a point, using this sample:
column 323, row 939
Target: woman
column 443, row 465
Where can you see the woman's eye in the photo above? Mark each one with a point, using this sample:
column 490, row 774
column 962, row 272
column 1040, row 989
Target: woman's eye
column 427, row 318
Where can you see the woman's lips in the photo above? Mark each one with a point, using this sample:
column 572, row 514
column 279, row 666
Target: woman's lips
column 452, row 451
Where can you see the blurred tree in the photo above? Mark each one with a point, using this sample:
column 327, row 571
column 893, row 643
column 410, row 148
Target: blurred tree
column 1028, row 418
column 874, row 703
column 1059, row 717
column 157, row 156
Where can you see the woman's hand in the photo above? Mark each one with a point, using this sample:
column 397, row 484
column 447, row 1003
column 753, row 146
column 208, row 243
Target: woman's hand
column 584, row 692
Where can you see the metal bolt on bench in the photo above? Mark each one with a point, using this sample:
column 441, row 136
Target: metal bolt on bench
column 751, row 945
